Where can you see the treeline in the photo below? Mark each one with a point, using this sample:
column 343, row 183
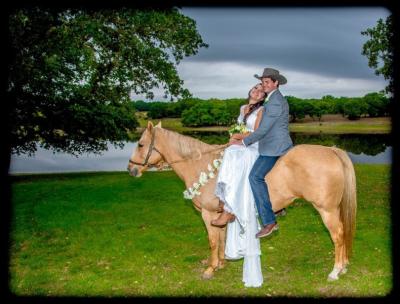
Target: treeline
column 370, row 105
column 196, row 112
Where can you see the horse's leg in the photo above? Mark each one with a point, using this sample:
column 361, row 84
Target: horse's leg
column 221, row 248
column 345, row 260
column 213, row 239
column 332, row 221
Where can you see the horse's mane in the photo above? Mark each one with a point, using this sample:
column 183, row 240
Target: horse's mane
column 186, row 145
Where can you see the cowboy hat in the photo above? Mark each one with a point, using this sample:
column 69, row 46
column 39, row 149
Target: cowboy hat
column 269, row 72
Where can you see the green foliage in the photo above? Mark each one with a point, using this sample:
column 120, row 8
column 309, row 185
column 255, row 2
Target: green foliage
column 157, row 110
column 73, row 71
column 296, row 108
column 141, row 105
column 198, row 115
column 212, row 112
column 197, row 112
column 338, row 105
column 372, row 105
column 321, row 107
column 379, row 49
column 378, row 104
column 354, row 108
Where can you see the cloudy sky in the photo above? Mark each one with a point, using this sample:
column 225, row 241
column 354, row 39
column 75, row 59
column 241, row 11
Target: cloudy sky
column 317, row 49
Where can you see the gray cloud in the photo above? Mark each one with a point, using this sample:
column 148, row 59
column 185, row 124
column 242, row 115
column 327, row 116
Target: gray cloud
column 326, row 41
column 317, row 49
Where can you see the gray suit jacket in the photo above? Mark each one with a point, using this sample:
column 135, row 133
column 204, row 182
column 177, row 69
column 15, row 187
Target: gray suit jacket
column 273, row 130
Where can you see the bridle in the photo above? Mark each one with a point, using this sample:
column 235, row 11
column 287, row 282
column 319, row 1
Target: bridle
column 151, row 148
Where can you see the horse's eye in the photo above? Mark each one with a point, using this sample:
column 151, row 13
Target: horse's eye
column 140, row 145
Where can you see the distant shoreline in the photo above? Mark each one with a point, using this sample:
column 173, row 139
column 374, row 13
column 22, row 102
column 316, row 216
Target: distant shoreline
column 331, row 123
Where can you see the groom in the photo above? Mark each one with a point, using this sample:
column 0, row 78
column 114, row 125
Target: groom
column 274, row 141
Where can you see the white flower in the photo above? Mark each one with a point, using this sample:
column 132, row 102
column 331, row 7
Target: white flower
column 203, row 178
column 216, row 163
column 187, row 195
column 191, row 192
column 238, row 128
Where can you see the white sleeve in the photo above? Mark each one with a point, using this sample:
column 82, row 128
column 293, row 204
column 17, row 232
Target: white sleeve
column 241, row 114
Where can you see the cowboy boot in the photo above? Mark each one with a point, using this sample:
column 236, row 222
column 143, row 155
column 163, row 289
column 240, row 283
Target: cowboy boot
column 223, row 219
column 281, row 212
column 267, row 230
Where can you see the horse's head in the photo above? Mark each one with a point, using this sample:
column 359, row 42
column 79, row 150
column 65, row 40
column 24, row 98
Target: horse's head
column 146, row 154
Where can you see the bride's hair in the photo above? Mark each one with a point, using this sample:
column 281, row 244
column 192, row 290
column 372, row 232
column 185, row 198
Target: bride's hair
column 254, row 106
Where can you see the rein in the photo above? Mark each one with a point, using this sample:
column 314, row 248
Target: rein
column 152, row 147
column 200, row 153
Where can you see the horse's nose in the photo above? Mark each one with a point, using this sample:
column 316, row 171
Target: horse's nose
column 134, row 171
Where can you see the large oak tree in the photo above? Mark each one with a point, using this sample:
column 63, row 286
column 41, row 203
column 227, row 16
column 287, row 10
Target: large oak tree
column 379, row 49
column 72, row 72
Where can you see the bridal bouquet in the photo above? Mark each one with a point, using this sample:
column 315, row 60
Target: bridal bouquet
column 238, row 128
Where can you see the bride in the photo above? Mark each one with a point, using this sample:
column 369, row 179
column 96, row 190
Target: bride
column 234, row 191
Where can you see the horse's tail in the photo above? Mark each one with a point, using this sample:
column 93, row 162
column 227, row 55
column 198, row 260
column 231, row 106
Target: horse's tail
column 348, row 204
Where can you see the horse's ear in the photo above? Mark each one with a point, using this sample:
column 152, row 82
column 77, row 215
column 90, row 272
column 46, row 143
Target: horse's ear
column 159, row 124
column 149, row 125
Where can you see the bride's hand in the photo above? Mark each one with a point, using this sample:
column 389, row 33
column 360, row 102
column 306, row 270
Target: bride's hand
column 237, row 136
column 240, row 136
column 234, row 142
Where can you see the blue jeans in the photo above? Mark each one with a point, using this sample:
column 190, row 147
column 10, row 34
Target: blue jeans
column 261, row 167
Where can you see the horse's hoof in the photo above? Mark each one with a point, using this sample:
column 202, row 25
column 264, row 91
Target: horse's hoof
column 332, row 278
column 221, row 265
column 208, row 273
column 207, row 276
column 334, row 275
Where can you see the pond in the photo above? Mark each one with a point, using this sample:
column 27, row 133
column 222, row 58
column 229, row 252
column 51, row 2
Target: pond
column 362, row 148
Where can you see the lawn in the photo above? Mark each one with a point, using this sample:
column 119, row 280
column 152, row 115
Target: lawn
column 329, row 124
column 109, row 234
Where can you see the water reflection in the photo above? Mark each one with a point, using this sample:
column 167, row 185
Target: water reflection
column 362, row 148
column 209, row 137
column 45, row 161
column 368, row 144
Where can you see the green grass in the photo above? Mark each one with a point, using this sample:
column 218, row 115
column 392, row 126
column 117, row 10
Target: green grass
column 382, row 125
column 341, row 127
column 109, row 234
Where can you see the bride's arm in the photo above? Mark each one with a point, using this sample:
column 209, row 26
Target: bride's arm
column 258, row 119
column 243, row 111
column 240, row 136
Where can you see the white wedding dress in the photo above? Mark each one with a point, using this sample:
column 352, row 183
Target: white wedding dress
column 233, row 188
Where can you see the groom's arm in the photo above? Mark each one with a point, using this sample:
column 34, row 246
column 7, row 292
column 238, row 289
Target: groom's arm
column 271, row 115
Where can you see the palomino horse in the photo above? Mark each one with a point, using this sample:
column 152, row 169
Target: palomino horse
column 324, row 176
